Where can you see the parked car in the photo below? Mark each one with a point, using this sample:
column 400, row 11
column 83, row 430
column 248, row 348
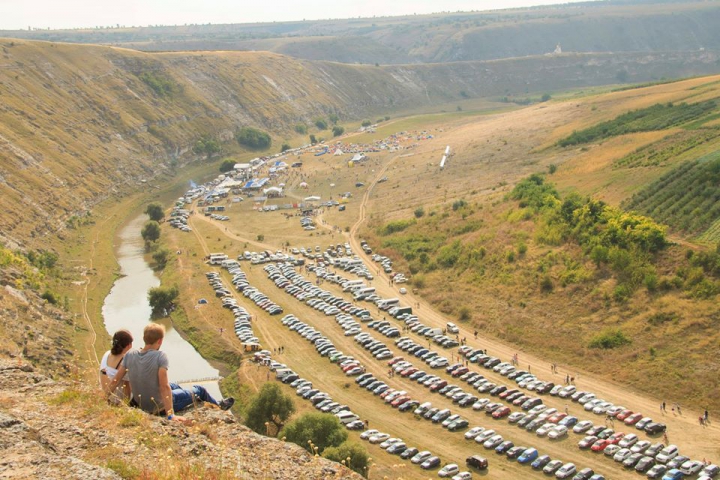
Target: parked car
column 449, row 470
column 566, row 471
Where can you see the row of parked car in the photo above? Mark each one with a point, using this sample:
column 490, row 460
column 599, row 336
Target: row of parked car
column 321, row 400
column 242, row 325
column 179, row 219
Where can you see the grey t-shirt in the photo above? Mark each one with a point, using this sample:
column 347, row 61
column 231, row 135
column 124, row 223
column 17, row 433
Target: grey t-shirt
column 142, row 370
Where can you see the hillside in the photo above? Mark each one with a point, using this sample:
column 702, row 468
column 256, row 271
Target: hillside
column 83, row 123
column 614, row 26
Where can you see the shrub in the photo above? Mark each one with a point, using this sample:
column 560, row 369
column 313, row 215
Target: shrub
column 338, row 130
column 162, row 299
column 227, row 165
column 270, row 406
column 323, row 430
column 160, row 84
column 396, row 226
column 321, row 124
column 366, row 123
column 609, row 338
column 301, row 128
column 253, row 138
column 207, row 146
column 546, row 283
column 161, row 258
column 552, row 168
column 357, row 455
column 419, row 212
column 150, row 231
column 51, row 297
column 464, row 314
column 285, row 147
column 155, row 211
column 522, row 249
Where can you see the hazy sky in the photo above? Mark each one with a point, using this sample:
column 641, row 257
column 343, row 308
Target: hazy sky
column 21, row 14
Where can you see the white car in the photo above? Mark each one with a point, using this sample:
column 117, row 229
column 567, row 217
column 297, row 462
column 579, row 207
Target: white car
column 602, row 408
column 667, row 454
column 462, row 476
column 421, row 457
column 484, row 436
column 567, row 391
column 368, row 433
column 544, row 429
column 691, row 467
column 622, row 454
column 583, row 426
column 439, row 362
column 384, row 445
column 379, row 437
column 566, row 471
column 472, row 433
column 558, row 432
column 452, row 328
column 628, row 440
column 449, row 470
column 589, row 405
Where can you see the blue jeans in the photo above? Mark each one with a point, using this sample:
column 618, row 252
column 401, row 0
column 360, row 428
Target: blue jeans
column 183, row 398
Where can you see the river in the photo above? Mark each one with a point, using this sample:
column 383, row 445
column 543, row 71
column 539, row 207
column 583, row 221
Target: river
column 127, row 306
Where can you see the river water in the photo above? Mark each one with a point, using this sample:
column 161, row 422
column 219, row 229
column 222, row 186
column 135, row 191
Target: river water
column 127, row 306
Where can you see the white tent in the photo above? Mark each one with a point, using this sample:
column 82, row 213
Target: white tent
column 273, row 191
column 338, row 152
column 303, row 185
column 313, row 198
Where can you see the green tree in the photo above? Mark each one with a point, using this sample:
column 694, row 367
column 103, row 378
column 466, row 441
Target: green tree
column 285, row 147
column 366, row 123
column 313, row 140
column 161, row 258
column 227, row 165
column 321, row 123
column 334, row 118
column 151, row 231
column 301, row 128
column 270, row 405
column 322, row 429
column 357, row 455
column 162, row 299
column 155, row 211
column 545, row 97
column 253, row 138
column 207, row 146
column 338, row 130
column 419, row 212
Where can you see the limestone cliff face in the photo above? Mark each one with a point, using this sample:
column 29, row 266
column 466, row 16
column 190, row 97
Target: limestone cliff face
column 80, row 124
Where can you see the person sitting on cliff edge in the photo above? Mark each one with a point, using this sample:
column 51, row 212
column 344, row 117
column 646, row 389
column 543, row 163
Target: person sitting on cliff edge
column 147, row 370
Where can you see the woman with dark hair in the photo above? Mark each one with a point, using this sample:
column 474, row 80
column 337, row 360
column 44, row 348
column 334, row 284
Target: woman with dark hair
column 121, row 344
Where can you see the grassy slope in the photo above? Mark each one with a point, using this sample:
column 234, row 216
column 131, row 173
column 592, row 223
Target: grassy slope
column 505, row 298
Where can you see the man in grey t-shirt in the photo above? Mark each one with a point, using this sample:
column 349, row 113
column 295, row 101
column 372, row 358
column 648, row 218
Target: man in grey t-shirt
column 147, row 370
column 142, row 370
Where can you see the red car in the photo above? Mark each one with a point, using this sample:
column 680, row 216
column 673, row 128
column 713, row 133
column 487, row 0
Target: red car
column 600, row 445
column 350, row 366
column 557, row 417
column 616, row 437
column 437, row 386
column 394, row 360
column 501, row 412
column 408, row 371
column 460, row 371
column 633, row 419
column 624, row 414
column 387, row 392
column 520, row 400
column 399, row 401
column 507, row 393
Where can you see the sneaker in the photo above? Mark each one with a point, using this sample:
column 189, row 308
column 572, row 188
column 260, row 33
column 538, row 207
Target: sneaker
column 226, row 403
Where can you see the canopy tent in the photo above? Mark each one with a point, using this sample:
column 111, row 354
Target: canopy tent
column 338, row 152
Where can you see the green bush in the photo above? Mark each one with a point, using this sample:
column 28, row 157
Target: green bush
column 227, row 165
column 366, row 123
column 253, row 138
column 269, row 410
column 301, row 128
column 338, row 130
column 150, row 231
column 396, row 226
column 319, row 429
column 162, row 299
column 359, row 458
column 321, row 124
column 285, row 147
column 608, row 339
column 207, row 146
column 162, row 85
column 464, row 314
column 419, row 212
